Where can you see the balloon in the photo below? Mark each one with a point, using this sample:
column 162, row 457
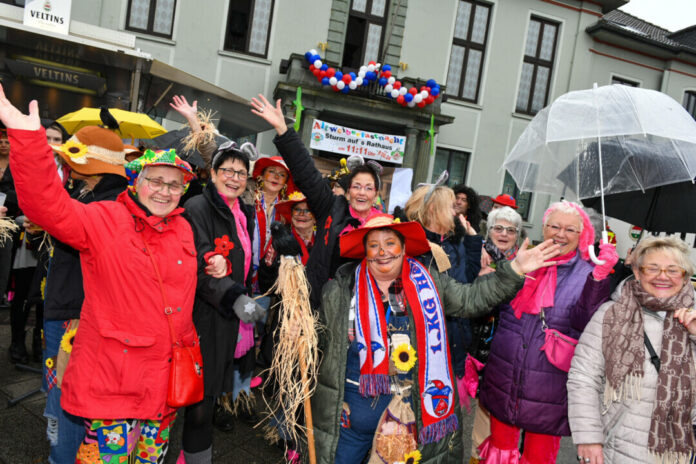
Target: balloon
column 431, row 83
column 308, row 56
column 352, row 85
column 371, row 66
column 363, row 68
column 312, row 67
column 413, row 91
column 345, row 89
column 403, row 91
column 322, row 74
column 316, row 73
column 359, row 80
column 313, row 52
column 371, row 63
column 421, row 104
column 388, row 88
column 361, row 74
column 424, row 93
column 325, row 81
column 330, row 72
column 340, row 84
column 333, row 80
column 397, row 85
column 382, row 81
column 435, row 91
column 386, row 74
column 411, row 104
column 317, row 63
column 418, row 98
column 347, row 78
column 386, row 67
column 324, row 67
column 394, row 93
column 400, row 99
column 371, row 75
column 429, row 100
column 408, row 97
column 391, row 80
column 352, row 75
column 339, row 75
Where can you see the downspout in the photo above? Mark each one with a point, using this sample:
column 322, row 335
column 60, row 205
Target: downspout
column 135, row 85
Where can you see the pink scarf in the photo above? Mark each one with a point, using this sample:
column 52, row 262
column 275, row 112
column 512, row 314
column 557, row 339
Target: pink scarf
column 373, row 212
column 539, row 293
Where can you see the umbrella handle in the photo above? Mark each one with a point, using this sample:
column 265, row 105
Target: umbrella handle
column 590, row 249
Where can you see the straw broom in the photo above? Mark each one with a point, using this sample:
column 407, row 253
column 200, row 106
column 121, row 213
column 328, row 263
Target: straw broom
column 297, row 348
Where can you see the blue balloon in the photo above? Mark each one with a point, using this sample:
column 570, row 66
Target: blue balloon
column 315, row 58
column 370, row 75
column 353, row 76
column 308, row 56
column 431, row 83
column 345, row 89
column 435, row 91
column 324, row 66
column 325, row 81
column 386, row 67
column 382, row 81
column 408, row 97
column 339, row 75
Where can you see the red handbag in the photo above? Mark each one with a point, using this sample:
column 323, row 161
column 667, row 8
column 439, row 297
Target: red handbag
column 558, row 347
column 186, row 371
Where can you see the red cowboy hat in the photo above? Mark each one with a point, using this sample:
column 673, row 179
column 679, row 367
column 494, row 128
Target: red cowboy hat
column 284, row 208
column 416, row 242
column 267, row 161
column 505, row 200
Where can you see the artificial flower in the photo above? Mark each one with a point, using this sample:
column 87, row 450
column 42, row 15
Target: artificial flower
column 223, row 245
column 404, row 357
column 66, row 343
column 413, row 457
column 49, row 363
column 75, row 150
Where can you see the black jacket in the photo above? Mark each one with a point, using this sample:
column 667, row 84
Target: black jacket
column 64, row 293
column 215, row 321
column 331, row 212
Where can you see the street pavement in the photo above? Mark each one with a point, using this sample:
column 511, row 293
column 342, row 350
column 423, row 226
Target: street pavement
column 23, row 427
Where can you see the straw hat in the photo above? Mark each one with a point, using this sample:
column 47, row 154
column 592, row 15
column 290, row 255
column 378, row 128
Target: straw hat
column 93, row 150
column 267, row 161
column 415, row 241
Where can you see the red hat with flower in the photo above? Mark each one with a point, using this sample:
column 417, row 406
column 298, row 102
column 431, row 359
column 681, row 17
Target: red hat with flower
column 505, row 200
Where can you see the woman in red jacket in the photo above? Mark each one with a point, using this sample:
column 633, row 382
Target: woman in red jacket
column 119, row 367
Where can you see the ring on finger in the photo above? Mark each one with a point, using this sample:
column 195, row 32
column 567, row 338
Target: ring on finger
column 587, row 459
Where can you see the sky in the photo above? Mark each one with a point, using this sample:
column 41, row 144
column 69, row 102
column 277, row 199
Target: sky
column 669, row 14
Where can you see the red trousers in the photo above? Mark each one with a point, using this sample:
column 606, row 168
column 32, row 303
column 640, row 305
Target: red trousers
column 502, row 446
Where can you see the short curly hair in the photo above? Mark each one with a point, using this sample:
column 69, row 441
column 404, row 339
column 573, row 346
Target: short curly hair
column 677, row 247
column 473, row 213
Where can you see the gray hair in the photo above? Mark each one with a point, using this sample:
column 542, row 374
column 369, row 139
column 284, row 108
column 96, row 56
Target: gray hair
column 504, row 214
column 677, row 247
column 563, row 207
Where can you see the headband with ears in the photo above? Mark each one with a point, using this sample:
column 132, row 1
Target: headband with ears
column 247, row 150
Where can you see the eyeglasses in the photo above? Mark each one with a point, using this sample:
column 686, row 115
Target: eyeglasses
column 232, row 173
column 556, row 229
column 673, row 272
column 500, row 229
column 301, row 211
column 366, row 188
column 157, row 185
column 277, row 172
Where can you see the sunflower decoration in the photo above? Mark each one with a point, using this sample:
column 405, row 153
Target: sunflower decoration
column 404, row 357
column 414, row 457
column 75, row 150
column 50, row 363
column 66, row 342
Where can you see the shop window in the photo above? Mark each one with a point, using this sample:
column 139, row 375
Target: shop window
column 524, row 199
column 468, row 49
column 690, row 102
column 622, row 81
column 456, row 162
column 249, row 26
column 537, row 66
column 154, row 17
column 365, row 32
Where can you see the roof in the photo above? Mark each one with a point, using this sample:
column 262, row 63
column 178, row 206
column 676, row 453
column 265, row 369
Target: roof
column 628, row 25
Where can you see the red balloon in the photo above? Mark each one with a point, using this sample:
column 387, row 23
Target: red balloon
column 335, row 89
column 372, row 63
column 315, row 72
column 387, row 74
column 422, row 88
column 397, row 85
column 429, row 99
column 428, row 89
column 347, row 78
column 420, row 104
column 400, row 99
column 311, row 67
column 413, row 90
column 330, row 72
column 322, row 74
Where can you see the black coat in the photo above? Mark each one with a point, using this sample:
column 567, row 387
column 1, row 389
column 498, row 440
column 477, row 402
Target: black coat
column 215, row 321
column 64, row 294
column 330, row 211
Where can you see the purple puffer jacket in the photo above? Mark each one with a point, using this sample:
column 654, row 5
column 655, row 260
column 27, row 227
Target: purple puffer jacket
column 520, row 386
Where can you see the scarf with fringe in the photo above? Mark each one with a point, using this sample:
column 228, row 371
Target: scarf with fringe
column 435, row 375
column 671, row 438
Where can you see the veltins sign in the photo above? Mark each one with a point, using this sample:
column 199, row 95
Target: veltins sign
column 50, row 15
column 346, row 141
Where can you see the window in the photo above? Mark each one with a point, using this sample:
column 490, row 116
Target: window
column 248, row 26
column 456, row 163
column 468, row 48
column 13, row 2
column 365, row 31
column 690, row 102
column 154, row 17
column 622, row 81
column 539, row 53
column 524, row 200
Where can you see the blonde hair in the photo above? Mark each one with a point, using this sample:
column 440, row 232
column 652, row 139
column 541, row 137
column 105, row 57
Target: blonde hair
column 436, row 212
column 677, row 247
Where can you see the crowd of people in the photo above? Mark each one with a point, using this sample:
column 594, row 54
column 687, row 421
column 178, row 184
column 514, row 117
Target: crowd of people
column 130, row 259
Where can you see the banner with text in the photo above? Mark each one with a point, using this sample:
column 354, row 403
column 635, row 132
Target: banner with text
column 346, row 141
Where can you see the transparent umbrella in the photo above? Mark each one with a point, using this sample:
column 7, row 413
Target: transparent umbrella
column 605, row 140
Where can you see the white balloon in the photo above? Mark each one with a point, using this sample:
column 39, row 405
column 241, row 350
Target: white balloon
column 388, row 88
column 418, row 98
column 359, row 80
column 340, row 85
column 313, row 52
column 363, row 69
column 424, row 93
column 403, row 90
column 353, row 85
column 370, row 67
column 412, row 103
column 333, row 80
column 391, row 80
column 394, row 93
column 317, row 64
column 361, row 74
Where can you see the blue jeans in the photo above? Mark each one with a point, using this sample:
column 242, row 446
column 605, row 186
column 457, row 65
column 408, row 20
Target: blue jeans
column 65, row 432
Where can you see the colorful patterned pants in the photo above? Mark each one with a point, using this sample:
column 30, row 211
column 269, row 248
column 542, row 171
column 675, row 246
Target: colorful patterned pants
column 113, row 441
